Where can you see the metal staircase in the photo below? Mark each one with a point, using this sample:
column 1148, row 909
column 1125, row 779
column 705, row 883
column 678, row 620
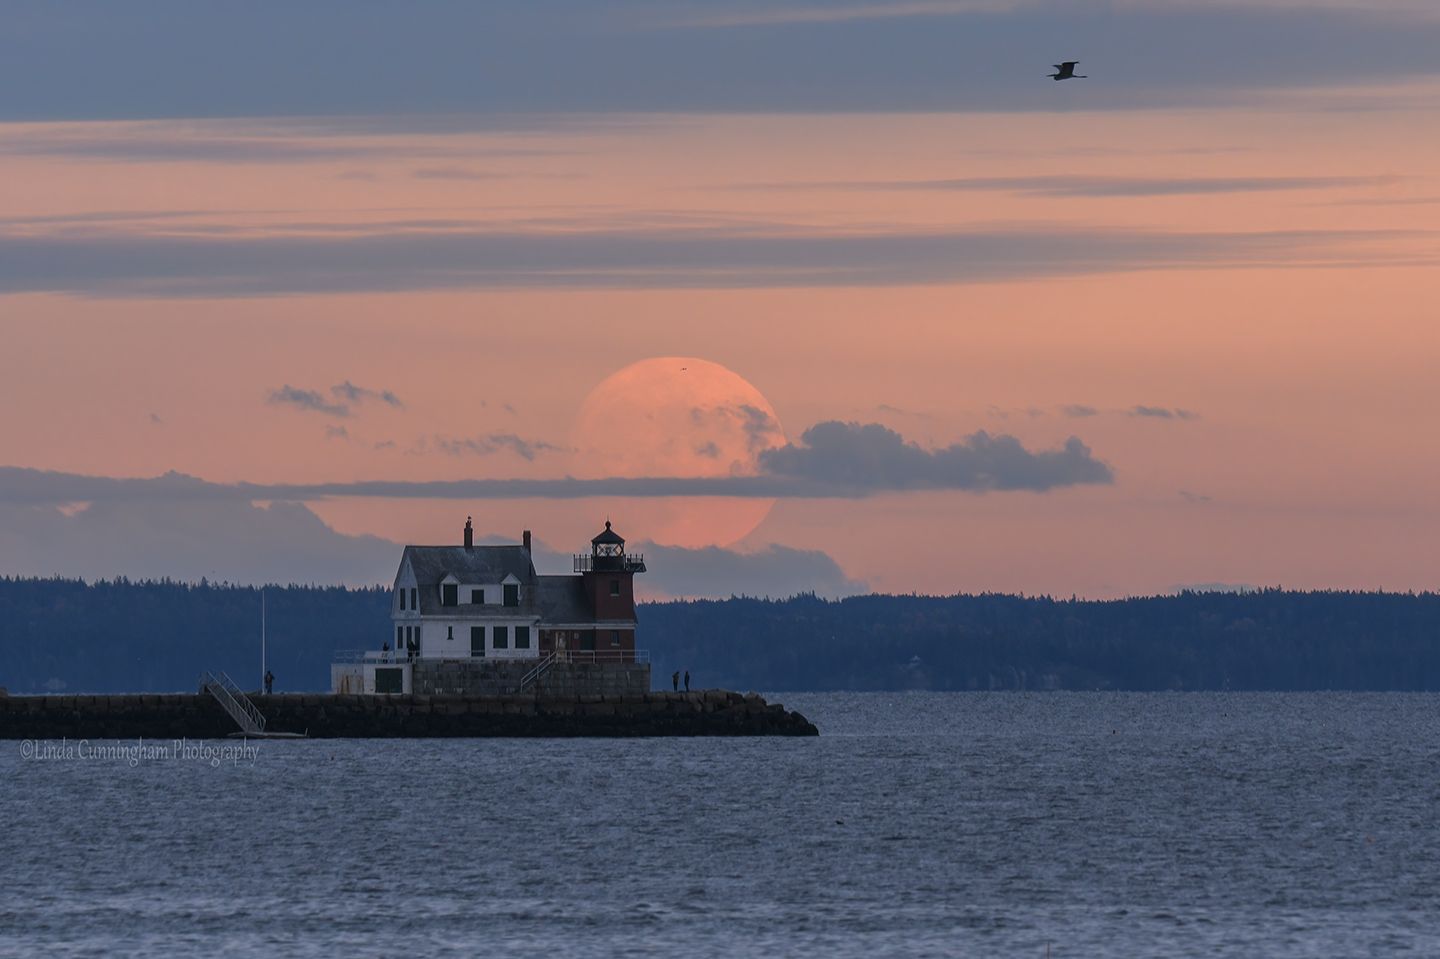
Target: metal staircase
column 234, row 701
column 538, row 670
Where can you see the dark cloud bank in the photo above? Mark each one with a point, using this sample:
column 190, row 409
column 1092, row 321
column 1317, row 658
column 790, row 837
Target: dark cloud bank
column 872, row 457
column 81, row 59
column 832, row 459
column 234, row 541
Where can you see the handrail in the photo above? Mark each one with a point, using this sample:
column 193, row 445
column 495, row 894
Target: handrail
column 603, row 655
column 620, row 563
column 234, row 701
column 540, row 669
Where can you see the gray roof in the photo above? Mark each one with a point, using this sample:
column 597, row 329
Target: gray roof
column 562, row 599
column 480, row 564
column 551, row 599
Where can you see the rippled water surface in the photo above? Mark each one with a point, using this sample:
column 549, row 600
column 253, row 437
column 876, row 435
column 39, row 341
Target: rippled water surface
column 917, row 824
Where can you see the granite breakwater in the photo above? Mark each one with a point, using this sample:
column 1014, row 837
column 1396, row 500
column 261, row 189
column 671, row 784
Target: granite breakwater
column 350, row 716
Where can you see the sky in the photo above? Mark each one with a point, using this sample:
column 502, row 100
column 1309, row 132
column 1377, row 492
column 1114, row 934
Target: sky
column 802, row 296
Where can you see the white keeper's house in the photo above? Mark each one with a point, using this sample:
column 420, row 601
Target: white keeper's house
column 471, row 602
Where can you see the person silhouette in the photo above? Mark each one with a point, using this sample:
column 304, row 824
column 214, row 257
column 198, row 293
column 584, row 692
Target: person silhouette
column 687, row 680
column 269, row 682
column 675, row 680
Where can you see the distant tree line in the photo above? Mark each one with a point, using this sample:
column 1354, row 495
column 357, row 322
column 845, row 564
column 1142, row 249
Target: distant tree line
column 58, row 634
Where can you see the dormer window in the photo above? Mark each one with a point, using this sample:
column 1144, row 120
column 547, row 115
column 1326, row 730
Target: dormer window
column 449, row 594
column 512, row 594
column 402, row 599
column 477, row 597
column 414, row 597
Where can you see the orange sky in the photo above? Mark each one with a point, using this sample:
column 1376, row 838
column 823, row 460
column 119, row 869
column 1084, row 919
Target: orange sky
column 1305, row 364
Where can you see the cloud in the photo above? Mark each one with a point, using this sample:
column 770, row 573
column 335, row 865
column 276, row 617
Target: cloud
column 761, row 430
column 1103, row 186
column 871, row 457
column 336, row 433
column 1190, row 497
column 346, row 395
column 1162, row 413
column 185, row 539
column 576, row 57
column 451, row 173
column 351, row 393
column 833, row 460
column 235, row 541
column 148, row 265
column 494, row 443
column 309, row 400
column 781, row 13
column 775, row 571
column 254, row 142
column 1079, row 410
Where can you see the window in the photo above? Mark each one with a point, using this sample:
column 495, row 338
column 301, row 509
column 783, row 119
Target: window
column 450, row 633
column 614, row 587
column 414, row 598
column 477, row 640
column 512, row 595
column 522, row 637
column 502, row 637
column 614, row 637
column 449, row 594
column 399, row 637
column 477, row 597
column 402, row 599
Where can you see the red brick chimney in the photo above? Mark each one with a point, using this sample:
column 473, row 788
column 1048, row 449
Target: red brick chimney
column 469, row 534
column 525, row 539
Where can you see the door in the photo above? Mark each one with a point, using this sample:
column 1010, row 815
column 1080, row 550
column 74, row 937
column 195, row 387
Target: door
column 477, row 640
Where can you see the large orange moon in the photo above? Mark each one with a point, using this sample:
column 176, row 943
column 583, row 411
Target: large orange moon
column 677, row 416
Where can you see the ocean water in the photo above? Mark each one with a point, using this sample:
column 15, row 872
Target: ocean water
column 1082, row 824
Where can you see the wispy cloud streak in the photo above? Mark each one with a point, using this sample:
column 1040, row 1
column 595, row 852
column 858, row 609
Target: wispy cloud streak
column 127, row 265
column 1102, row 186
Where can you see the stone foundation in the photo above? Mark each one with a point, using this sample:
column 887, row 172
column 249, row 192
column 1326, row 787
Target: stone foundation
column 499, row 677
column 176, row 716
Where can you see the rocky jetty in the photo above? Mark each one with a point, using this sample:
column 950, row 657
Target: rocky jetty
column 175, row 716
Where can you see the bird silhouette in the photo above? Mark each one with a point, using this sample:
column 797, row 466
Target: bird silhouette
column 1066, row 71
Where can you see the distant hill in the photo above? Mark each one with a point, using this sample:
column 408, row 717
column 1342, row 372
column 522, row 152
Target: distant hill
column 67, row 635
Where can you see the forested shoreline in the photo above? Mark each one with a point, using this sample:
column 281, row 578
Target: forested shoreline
column 121, row 636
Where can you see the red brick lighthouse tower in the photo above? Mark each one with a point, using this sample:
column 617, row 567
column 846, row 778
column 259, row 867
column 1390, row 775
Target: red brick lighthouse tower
column 608, row 575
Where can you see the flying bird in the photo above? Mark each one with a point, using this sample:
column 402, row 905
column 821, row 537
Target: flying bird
column 1066, row 71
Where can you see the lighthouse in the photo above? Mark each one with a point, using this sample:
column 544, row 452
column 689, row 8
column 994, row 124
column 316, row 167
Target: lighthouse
column 607, row 576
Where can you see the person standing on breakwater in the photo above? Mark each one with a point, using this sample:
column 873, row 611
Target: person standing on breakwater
column 675, row 680
column 687, row 680
column 269, row 682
